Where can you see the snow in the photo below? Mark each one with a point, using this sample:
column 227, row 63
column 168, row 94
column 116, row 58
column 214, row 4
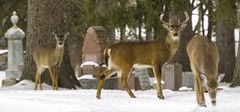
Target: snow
column 89, row 63
column 86, row 76
column 22, row 98
column 2, row 76
column 3, row 51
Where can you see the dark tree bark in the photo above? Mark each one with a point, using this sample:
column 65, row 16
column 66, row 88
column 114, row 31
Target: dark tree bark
column 178, row 7
column 45, row 17
column 236, row 77
column 225, row 38
column 210, row 18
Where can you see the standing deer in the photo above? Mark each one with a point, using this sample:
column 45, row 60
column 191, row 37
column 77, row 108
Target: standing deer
column 204, row 59
column 51, row 58
column 124, row 56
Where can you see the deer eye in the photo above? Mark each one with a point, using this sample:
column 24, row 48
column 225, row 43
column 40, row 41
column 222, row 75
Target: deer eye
column 209, row 89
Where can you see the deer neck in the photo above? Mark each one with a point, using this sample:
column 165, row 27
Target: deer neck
column 173, row 45
column 58, row 55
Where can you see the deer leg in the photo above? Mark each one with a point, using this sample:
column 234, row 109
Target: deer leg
column 52, row 74
column 56, row 78
column 158, row 77
column 199, row 90
column 36, row 80
column 39, row 81
column 101, row 81
column 124, row 78
column 198, row 87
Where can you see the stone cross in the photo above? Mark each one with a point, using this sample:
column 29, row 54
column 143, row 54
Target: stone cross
column 15, row 49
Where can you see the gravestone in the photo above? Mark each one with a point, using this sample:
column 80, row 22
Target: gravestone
column 188, row 79
column 94, row 44
column 15, row 50
column 143, row 77
column 172, row 76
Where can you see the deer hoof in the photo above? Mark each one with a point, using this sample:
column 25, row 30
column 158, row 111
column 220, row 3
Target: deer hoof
column 98, row 97
column 161, row 97
column 132, row 96
column 202, row 104
column 214, row 102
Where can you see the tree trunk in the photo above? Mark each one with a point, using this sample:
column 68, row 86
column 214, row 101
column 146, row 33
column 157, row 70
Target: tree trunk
column 122, row 33
column 210, row 18
column 225, row 39
column 181, row 56
column 45, row 17
column 236, row 77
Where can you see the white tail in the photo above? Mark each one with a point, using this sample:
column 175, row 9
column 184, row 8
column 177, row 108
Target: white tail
column 124, row 56
column 204, row 59
column 51, row 58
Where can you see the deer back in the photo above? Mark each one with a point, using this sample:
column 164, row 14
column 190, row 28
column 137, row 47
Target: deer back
column 147, row 53
column 203, row 54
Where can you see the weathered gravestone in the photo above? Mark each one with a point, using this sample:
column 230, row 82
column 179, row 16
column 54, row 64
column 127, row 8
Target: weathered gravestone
column 188, row 79
column 15, row 52
column 143, row 77
column 172, row 76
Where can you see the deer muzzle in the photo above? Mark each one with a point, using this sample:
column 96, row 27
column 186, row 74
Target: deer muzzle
column 213, row 95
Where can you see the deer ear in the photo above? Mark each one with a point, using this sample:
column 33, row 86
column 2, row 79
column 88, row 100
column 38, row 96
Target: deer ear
column 165, row 26
column 183, row 26
column 220, row 77
column 66, row 35
column 54, row 34
column 203, row 78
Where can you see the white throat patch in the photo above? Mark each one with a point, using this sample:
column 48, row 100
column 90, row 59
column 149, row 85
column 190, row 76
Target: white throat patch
column 175, row 38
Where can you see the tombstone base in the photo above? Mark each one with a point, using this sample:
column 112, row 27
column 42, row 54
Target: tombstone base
column 9, row 82
column 88, row 83
column 13, row 73
column 110, row 83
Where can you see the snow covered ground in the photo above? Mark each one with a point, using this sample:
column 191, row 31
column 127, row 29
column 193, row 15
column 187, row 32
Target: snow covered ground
column 22, row 98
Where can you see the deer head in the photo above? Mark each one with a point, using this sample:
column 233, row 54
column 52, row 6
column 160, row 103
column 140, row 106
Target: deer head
column 174, row 30
column 60, row 39
column 211, row 85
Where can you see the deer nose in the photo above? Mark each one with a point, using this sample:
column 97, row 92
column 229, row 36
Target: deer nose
column 175, row 34
column 214, row 102
column 60, row 43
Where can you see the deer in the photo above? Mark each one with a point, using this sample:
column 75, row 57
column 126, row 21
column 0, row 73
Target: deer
column 204, row 58
column 123, row 56
column 50, row 58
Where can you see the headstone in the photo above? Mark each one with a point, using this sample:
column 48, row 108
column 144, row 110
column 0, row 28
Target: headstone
column 94, row 44
column 15, row 49
column 172, row 76
column 143, row 77
column 188, row 79
column 115, row 83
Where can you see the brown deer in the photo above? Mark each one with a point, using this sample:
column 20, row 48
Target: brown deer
column 204, row 59
column 51, row 58
column 124, row 56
